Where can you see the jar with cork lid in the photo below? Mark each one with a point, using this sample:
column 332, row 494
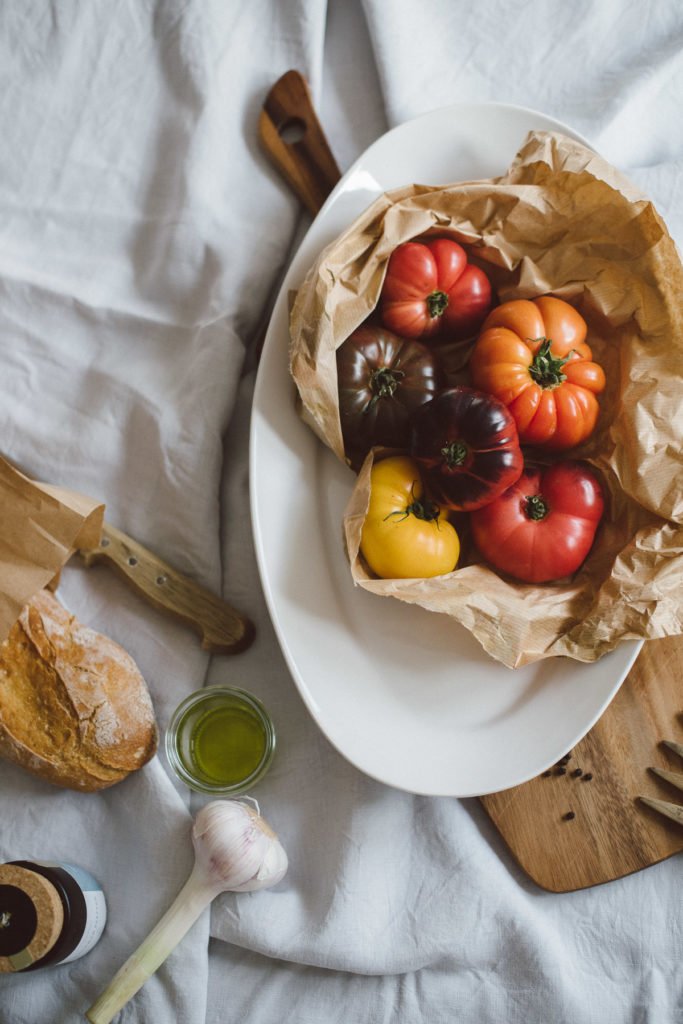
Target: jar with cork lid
column 50, row 914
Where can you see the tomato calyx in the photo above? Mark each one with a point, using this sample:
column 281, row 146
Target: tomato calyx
column 546, row 369
column 535, row 507
column 437, row 303
column 383, row 383
column 425, row 510
column 455, row 453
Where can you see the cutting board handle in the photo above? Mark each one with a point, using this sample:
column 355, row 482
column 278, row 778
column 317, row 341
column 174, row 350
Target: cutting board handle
column 290, row 133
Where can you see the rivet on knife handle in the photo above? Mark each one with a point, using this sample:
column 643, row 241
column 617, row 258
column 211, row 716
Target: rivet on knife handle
column 222, row 629
column 306, row 162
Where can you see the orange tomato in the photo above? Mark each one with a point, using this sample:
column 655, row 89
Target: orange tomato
column 532, row 355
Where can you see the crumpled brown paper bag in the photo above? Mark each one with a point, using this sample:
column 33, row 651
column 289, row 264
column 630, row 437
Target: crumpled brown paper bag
column 560, row 221
column 42, row 526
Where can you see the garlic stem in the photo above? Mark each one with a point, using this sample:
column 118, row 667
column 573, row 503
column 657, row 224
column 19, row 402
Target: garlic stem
column 235, row 851
column 188, row 905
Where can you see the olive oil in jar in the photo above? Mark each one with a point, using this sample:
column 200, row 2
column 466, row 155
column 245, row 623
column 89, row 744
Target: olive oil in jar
column 221, row 740
column 227, row 745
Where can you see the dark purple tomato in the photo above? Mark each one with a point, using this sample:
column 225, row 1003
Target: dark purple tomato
column 382, row 380
column 467, row 447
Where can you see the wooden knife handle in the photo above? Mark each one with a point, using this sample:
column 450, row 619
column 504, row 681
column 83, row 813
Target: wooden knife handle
column 222, row 629
column 306, row 162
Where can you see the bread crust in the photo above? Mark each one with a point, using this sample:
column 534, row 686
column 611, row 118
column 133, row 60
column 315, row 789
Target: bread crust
column 74, row 708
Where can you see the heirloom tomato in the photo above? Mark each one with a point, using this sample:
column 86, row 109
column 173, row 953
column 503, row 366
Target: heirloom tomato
column 405, row 535
column 430, row 288
column 541, row 528
column 466, row 444
column 382, row 379
column 532, row 355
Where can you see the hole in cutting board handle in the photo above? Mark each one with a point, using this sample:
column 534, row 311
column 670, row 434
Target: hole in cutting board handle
column 292, row 130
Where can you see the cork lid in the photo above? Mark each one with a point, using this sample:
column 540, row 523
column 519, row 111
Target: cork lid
column 31, row 917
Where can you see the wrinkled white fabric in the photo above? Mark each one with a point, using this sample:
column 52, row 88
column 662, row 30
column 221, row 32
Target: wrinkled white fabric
column 142, row 234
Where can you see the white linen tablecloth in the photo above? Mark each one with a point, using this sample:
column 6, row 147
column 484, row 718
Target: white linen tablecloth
column 142, row 233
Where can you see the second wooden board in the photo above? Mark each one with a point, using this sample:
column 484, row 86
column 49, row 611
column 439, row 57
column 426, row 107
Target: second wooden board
column 568, row 830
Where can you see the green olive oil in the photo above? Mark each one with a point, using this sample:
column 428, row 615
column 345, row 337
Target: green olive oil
column 220, row 740
column 227, row 745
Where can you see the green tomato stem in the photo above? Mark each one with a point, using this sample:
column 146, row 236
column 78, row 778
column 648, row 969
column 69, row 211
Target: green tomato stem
column 425, row 510
column 192, row 899
column 535, row 507
column 383, row 383
column 428, row 511
column 455, row 453
column 437, row 303
column 546, row 369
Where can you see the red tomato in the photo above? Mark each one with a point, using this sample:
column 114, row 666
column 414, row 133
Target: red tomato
column 430, row 289
column 542, row 527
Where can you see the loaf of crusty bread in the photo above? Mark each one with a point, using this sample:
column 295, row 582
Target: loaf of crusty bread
column 74, row 707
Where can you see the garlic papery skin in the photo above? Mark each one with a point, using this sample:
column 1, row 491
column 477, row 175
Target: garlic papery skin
column 237, row 847
column 235, row 850
column 272, row 870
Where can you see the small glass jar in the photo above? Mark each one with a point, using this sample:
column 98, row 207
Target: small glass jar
column 50, row 914
column 220, row 741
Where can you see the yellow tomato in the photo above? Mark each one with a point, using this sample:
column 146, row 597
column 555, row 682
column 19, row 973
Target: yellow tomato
column 404, row 535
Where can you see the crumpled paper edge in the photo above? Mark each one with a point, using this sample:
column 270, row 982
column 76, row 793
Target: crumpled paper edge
column 42, row 526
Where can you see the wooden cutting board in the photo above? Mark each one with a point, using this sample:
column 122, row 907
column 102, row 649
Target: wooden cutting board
column 611, row 834
column 566, row 830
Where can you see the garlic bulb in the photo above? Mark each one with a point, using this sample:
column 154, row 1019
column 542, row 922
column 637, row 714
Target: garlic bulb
column 235, row 850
